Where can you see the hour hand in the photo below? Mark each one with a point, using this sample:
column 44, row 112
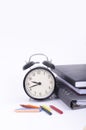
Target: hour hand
column 34, row 82
column 38, row 83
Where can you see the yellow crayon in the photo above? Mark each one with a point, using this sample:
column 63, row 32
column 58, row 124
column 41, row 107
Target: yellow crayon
column 46, row 109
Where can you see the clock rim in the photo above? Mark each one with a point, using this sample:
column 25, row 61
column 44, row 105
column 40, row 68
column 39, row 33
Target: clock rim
column 35, row 69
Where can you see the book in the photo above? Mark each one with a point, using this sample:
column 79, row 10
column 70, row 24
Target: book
column 74, row 74
column 69, row 97
column 79, row 91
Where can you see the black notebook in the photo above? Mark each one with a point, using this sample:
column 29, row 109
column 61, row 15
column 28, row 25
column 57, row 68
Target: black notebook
column 69, row 97
column 73, row 74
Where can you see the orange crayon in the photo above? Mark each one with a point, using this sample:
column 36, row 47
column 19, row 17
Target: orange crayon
column 29, row 106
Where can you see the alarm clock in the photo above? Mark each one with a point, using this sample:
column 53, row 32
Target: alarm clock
column 39, row 82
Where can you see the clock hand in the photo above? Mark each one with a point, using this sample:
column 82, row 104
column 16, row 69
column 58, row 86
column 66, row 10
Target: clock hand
column 33, row 85
column 38, row 83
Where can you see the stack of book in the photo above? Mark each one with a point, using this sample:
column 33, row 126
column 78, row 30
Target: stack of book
column 71, row 84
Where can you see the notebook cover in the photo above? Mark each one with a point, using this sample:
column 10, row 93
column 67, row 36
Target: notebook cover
column 74, row 74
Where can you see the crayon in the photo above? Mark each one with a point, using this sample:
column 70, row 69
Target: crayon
column 27, row 110
column 56, row 109
column 46, row 109
column 29, row 106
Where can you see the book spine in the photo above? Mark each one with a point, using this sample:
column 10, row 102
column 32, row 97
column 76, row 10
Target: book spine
column 68, row 96
column 62, row 94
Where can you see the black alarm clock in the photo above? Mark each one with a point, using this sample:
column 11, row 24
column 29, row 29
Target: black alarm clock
column 39, row 82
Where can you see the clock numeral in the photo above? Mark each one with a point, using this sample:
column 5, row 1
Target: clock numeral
column 51, row 82
column 30, row 89
column 38, row 72
column 35, row 93
column 44, row 72
column 46, row 91
column 30, row 78
column 33, row 74
column 27, row 83
column 49, row 76
column 40, row 93
column 49, row 87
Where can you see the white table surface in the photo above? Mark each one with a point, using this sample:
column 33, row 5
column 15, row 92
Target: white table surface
column 69, row 120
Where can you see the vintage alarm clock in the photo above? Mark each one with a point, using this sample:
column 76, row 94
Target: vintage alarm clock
column 39, row 82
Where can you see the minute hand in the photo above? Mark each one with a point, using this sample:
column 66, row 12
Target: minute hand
column 33, row 85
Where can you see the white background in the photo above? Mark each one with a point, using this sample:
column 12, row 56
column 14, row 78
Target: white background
column 56, row 28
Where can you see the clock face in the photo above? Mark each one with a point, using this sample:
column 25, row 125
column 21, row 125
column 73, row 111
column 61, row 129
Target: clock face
column 39, row 83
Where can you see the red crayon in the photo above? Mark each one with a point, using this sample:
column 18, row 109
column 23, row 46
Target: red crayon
column 56, row 109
